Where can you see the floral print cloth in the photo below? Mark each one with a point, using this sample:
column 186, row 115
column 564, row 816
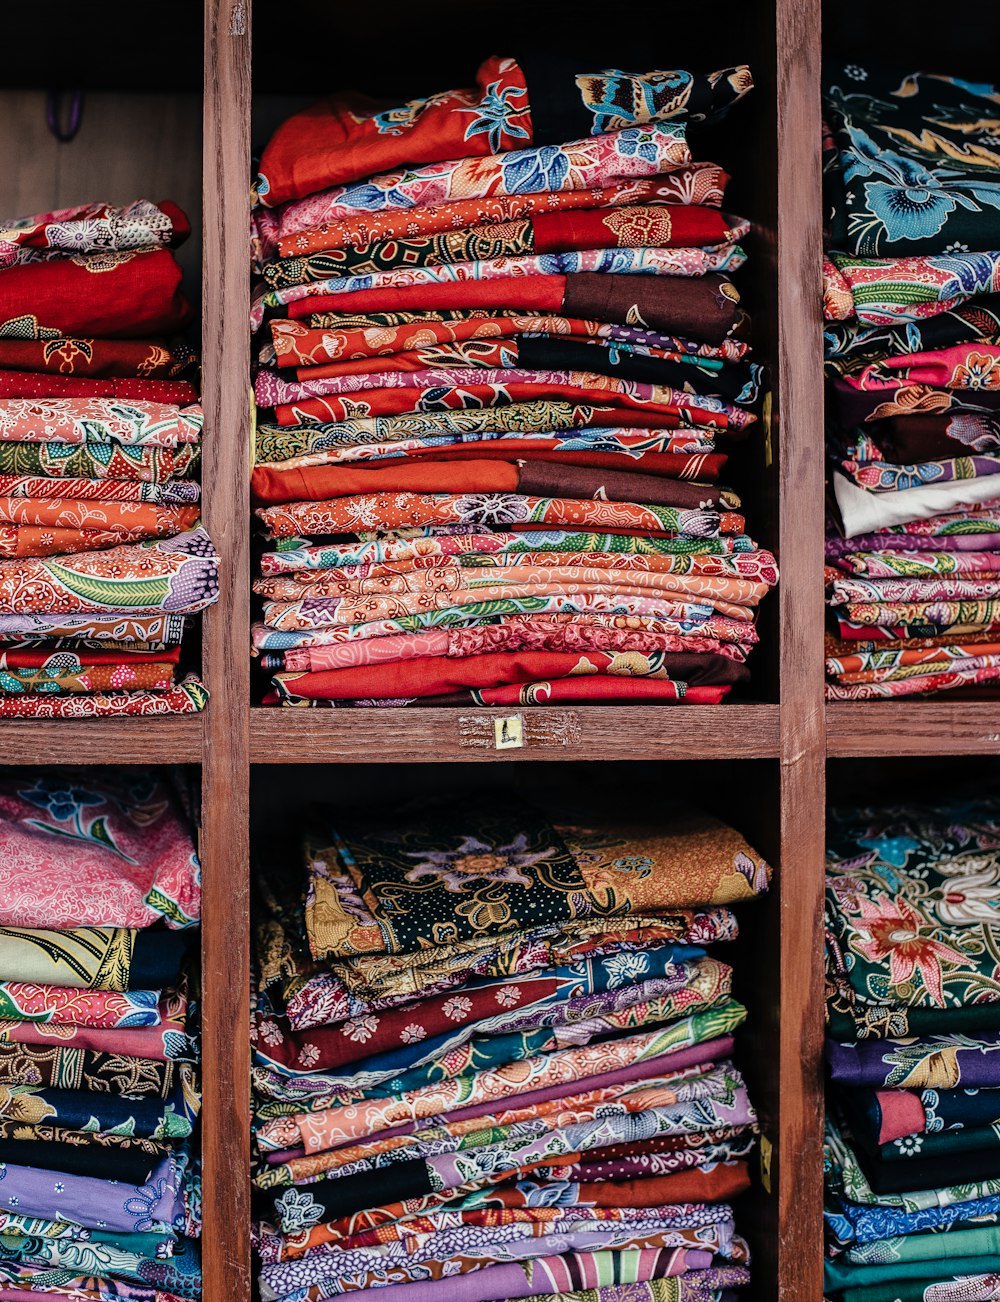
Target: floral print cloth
column 379, row 888
column 92, row 848
column 597, row 1080
column 916, row 165
column 910, row 904
column 350, row 137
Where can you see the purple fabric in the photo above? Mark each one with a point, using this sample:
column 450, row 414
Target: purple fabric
column 910, row 542
column 490, row 1247
column 92, row 1203
column 515, row 1280
column 885, row 1063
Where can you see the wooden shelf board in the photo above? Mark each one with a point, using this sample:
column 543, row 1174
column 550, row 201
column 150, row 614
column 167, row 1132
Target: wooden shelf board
column 888, row 728
column 435, row 734
column 172, row 740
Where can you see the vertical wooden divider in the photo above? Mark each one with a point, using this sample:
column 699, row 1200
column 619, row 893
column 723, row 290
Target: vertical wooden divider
column 799, row 411
column 225, row 837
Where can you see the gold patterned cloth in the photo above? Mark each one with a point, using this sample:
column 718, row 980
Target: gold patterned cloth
column 449, row 880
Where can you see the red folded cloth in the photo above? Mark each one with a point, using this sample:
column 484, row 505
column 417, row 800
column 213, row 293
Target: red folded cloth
column 439, row 675
column 118, row 295
column 38, row 384
column 538, row 479
column 145, row 358
column 696, row 307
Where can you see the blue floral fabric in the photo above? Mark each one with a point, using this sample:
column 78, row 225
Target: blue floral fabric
column 917, row 166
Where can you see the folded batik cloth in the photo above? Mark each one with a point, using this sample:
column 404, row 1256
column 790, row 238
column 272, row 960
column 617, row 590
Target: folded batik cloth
column 545, row 354
column 736, row 382
column 91, row 228
column 682, row 227
column 96, row 420
column 512, row 1224
column 94, row 1203
column 136, row 294
column 118, row 462
column 98, row 958
column 144, row 1117
column 470, row 1245
column 553, row 423
column 85, row 1069
column 579, row 1022
column 173, row 1039
column 394, row 511
column 533, row 870
column 850, row 348
column 397, row 393
column 187, row 697
column 945, row 1062
column 22, row 1001
column 847, row 1180
column 176, row 576
column 101, row 358
column 702, row 307
column 133, row 1272
column 917, row 157
column 538, row 101
column 452, row 1018
column 901, row 1122
column 317, row 993
column 538, row 479
column 34, row 384
column 669, row 677
column 884, row 292
column 276, row 234
column 911, row 902
column 379, row 339
column 695, row 1188
column 326, row 295
column 96, row 849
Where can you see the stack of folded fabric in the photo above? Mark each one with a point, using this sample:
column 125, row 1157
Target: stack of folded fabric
column 913, row 1157
column 492, row 1058
column 912, row 300
column 496, row 366
column 99, row 893
column 100, row 557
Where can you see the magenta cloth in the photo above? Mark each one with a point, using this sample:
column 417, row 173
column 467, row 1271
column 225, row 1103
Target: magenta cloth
column 911, row 542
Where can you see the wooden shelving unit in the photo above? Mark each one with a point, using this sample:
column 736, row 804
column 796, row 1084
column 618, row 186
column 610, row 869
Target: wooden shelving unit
column 780, row 744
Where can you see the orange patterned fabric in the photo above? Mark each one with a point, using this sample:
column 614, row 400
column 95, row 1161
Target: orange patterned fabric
column 697, row 183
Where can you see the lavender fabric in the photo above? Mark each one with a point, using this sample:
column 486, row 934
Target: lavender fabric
column 493, row 1243
column 91, row 1203
column 516, row 1280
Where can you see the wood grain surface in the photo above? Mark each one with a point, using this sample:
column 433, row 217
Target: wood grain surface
column 225, row 837
column 933, row 727
column 433, row 735
column 800, row 441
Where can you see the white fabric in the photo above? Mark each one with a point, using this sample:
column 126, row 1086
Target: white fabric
column 865, row 512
